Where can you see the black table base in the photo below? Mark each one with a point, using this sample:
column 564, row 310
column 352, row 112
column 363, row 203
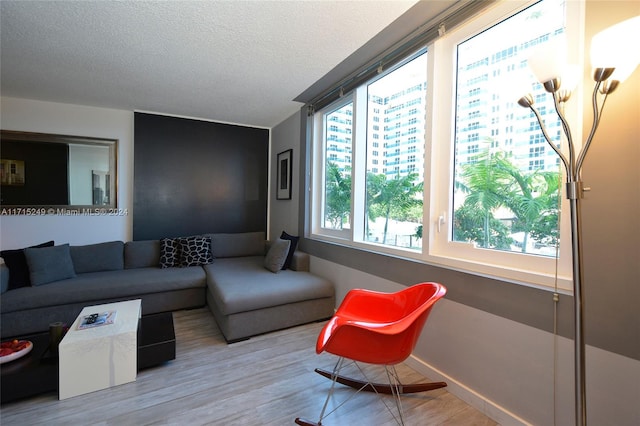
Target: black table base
column 37, row 372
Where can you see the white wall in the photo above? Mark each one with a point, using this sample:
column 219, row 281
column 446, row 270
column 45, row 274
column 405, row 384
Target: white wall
column 506, row 369
column 48, row 117
column 284, row 213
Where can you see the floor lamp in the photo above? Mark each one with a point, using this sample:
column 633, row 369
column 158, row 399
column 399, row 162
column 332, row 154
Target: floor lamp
column 612, row 63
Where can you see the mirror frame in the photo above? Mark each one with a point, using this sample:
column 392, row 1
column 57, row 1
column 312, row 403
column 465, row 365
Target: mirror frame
column 67, row 209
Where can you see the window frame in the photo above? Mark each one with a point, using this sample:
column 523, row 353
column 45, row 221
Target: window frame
column 437, row 247
column 318, row 192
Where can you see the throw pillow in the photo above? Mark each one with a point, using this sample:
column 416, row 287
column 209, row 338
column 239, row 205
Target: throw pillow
column 49, row 264
column 169, row 252
column 195, row 251
column 277, row 255
column 292, row 248
column 17, row 264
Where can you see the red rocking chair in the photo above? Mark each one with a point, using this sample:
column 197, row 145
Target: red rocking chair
column 377, row 328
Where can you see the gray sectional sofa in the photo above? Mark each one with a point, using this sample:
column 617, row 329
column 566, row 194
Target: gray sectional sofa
column 244, row 296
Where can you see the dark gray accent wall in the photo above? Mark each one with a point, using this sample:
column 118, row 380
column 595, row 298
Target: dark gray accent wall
column 193, row 176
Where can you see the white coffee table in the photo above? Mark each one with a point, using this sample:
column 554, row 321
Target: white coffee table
column 97, row 358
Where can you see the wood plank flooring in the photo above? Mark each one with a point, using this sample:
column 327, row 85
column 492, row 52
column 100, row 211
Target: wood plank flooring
column 267, row 380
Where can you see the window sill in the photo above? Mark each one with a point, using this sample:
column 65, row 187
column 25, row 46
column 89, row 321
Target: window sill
column 516, row 276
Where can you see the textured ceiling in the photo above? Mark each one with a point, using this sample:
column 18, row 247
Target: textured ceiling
column 232, row 61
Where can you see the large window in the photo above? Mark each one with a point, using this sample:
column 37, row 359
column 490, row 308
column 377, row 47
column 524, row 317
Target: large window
column 393, row 215
column 504, row 199
column 378, row 199
column 444, row 166
column 338, row 132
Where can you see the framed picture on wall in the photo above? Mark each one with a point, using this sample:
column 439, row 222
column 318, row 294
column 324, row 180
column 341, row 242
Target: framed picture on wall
column 283, row 188
column 12, row 172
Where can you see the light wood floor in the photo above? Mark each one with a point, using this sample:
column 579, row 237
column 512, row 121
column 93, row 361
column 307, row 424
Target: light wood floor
column 267, row 380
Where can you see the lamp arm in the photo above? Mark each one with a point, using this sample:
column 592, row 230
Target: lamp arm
column 571, row 174
column 548, row 139
column 597, row 114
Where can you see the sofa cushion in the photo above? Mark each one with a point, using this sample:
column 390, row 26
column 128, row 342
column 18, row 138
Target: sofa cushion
column 18, row 268
column 93, row 287
column 292, row 248
column 242, row 284
column 169, row 252
column 141, row 254
column 49, row 264
column 195, row 251
column 107, row 256
column 277, row 255
column 236, row 245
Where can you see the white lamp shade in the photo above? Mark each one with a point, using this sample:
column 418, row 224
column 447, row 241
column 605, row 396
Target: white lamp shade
column 570, row 77
column 548, row 60
column 615, row 47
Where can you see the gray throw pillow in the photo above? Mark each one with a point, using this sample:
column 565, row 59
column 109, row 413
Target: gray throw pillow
column 277, row 255
column 49, row 264
column 18, row 268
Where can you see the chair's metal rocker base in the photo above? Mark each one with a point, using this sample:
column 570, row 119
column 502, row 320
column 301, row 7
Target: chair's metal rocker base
column 382, row 387
column 394, row 387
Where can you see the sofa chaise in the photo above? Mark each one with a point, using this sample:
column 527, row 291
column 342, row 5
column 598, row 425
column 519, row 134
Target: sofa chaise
column 246, row 299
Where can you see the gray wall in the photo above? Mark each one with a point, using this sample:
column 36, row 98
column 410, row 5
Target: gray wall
column 610, row 211
column 610, row 230
column 283, row 214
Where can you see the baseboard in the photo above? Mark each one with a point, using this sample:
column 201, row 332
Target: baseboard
column 489, row 408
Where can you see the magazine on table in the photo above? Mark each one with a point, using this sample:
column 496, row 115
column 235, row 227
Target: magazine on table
column 97, row 320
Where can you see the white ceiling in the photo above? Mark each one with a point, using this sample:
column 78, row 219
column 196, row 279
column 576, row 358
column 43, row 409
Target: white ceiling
column 231, row 61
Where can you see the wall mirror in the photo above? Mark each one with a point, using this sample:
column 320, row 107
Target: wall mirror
column 45, row 173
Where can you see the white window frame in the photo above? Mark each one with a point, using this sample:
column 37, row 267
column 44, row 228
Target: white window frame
column 318, row 170
column 518, row 267
column 438, row 249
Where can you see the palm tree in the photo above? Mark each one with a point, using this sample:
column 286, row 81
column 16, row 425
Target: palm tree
column 391, row 197
column 533, row 199
column 482, row 181
column 493, row 182
column 469, row 225
column 338, row 196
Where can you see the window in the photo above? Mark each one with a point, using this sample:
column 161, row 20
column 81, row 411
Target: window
column 452, row 187
column 336, row 170
column 502, row 202
column 499, row 214
column 385, row 206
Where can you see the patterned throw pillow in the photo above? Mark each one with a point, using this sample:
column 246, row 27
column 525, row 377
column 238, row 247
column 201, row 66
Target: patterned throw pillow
column 169, row 252
column 195, row 251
